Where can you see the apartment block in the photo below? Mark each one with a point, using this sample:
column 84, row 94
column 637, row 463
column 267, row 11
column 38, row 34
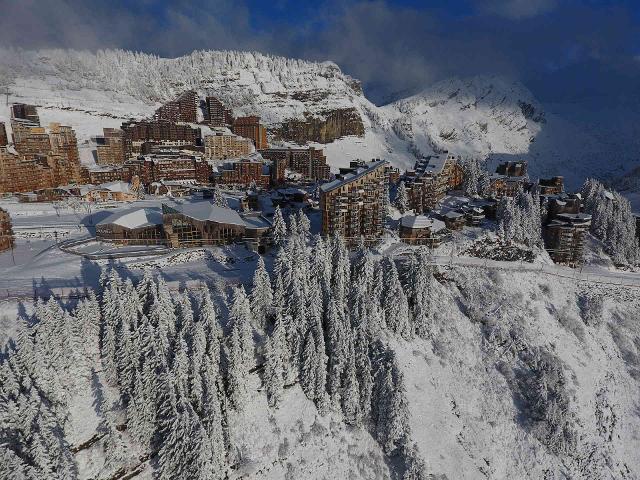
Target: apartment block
column 161, row 132
column 182, row 109
column 18, row 174
column 23, row 111
column 430, row 180
column 310, row 162
column 222, row 146
column 250, row 127
column 353, row 204
column 217, row 114
column 245, row 173
column 565, row 228
column 110, row 147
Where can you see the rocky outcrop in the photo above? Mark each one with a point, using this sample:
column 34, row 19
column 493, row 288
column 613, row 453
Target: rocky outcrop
column 331, row 125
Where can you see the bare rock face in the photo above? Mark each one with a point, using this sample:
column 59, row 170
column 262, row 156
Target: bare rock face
column 331, row 125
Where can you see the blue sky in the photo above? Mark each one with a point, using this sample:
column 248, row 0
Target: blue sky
column 563, row 50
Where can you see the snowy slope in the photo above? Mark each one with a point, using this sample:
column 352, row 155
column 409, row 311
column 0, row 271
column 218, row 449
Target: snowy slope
column 467, row 419
column 491, row 116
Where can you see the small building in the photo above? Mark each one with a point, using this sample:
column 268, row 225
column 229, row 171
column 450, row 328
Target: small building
column 551, row 186
column 564, row 237
column 136, row 226
column 111, row 191
column 285, row 197
column 474, row 215
column 454, row 220
column 422, row 230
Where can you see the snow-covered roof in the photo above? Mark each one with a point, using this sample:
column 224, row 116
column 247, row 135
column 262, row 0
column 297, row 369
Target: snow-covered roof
column 453, row 215
column 207, row 212
column 116, row 186
column 256, row 221
column 135, row 218
column 350, row 177
column 422, row 221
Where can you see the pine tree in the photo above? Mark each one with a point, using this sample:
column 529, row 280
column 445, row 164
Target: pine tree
column 304, row 225
column 218, row 198
column 240, row 356
column 396, row 308
column 261, row 295
column 402, row 198
column 337, row 351
column 275, row 358
column 279, row 228
column 363, row 371
column 471, row 177
column 351, row 389
column 309, row 368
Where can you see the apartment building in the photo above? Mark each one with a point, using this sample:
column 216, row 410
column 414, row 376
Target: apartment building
column 217, row 114
column 25, row 112
column 245, row 173
column 110, row 147
column 30, row 139
column 565, row 228
column 551, row 186
column 310, row 162
column 430, row 180
column 250, row 127
column 161, row 132
column 353, row 204
column 182, row 109
column 222, row 146
column 18, row 174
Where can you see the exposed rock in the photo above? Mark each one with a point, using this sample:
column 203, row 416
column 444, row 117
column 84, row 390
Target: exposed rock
column 333, row 124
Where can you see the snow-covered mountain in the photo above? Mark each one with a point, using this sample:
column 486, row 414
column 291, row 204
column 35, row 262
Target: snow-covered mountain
column 480, row 116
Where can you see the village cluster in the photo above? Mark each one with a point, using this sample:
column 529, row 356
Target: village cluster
column 186, row 162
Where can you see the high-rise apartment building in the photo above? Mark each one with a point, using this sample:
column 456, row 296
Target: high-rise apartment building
column 182, row 109
column 217, row 114
column 222, row 146
column 250, row 127
column 353, row 204
column 110, row 147
column 310, row 162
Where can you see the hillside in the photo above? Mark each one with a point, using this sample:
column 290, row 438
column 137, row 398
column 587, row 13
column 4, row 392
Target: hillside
column 524, row 376
column 316, row 103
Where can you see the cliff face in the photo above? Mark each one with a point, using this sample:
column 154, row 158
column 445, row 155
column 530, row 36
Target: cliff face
column 332, row 125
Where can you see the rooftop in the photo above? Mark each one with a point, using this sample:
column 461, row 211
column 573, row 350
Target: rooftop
column 206, row 212
column 422, row 221
column 135, row 218
column 350, row 177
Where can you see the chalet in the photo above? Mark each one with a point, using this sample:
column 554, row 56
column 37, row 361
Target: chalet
column 422, row 230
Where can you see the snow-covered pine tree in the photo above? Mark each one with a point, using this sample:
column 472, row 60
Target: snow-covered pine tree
column 304, row 225
column 276, row 356
column 363, row 369
column 350, row 393
column 471, row 177
column 402, row 198
column 239, row 349
column 218, row 198
column 261, row 295
column 336, row 350
column 308, row 367
column 394, row 300
column 420, row 293
column 279, row 228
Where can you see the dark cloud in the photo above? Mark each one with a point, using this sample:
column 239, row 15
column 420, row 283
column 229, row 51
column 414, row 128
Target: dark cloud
column 559, row 48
